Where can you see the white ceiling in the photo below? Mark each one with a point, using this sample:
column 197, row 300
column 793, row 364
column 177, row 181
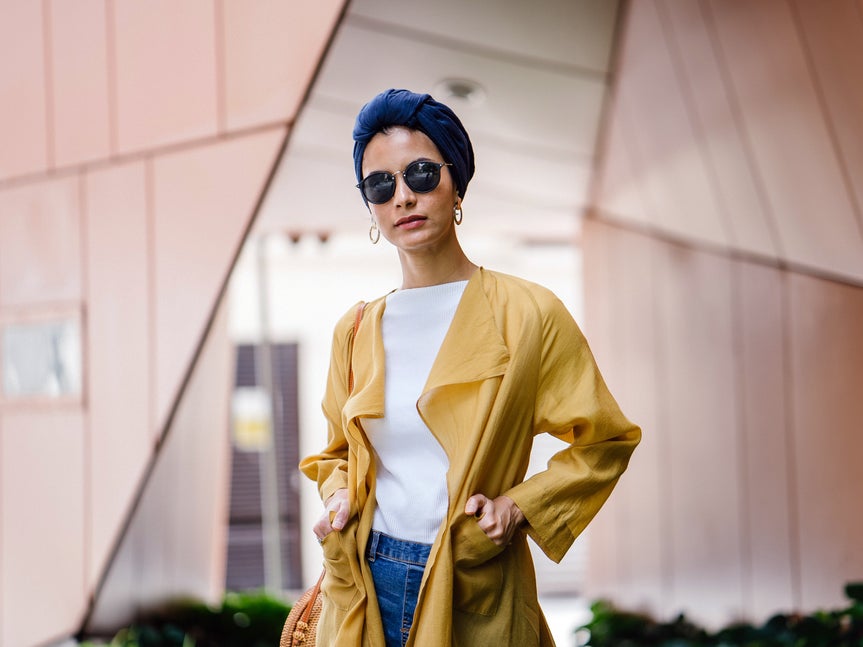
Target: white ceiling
column 542, row 69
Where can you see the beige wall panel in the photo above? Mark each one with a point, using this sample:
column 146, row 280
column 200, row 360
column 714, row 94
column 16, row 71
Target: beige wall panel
column 604, row 573
column 199, row 529
column 827, row 356
column 770, row 571
column 271, row 51
column 42, row 535
column 700, row 419
column 79, row 60
column 644, row 488
column 670, row 166
column 602, row 535
column 119, row 357
column 23, row 114
column 791, row 144
column 626, row 293
column 718, row 130
column 165, row 72
column 176, row 542
column 203, row 200
column 618, row 192
column 833, row 34
column 40, row 243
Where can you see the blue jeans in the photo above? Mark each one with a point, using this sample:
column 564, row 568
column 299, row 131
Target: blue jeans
column 397, row 569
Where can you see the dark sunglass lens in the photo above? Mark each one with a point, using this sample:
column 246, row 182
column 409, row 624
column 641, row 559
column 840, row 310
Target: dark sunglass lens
column 379, row 187
column 422, row 177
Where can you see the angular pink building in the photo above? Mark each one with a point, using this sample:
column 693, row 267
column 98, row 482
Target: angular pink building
column 721, row 223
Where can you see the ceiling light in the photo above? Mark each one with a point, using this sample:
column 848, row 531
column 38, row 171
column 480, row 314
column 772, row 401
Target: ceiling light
column 459, row 90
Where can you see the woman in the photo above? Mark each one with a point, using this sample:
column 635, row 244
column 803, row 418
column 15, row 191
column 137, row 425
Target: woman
column 427, row 510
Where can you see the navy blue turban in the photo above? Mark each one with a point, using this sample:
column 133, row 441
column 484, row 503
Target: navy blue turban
column 418, row 112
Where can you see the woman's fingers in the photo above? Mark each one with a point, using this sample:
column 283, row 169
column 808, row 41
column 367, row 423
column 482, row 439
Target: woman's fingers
column 498, row 518
column 475, row 505
column 322, row 527
column 335, row 517
column 338, row 512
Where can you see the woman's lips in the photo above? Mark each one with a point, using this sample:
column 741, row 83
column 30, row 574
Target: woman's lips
column 410, row 222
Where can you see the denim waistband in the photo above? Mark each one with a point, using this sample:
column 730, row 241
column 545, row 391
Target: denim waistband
column 410, row 552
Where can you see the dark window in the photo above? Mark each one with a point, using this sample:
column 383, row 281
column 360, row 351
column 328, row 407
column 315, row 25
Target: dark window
column 245, row 567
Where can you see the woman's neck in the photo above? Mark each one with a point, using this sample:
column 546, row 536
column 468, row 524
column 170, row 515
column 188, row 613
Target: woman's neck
column 423, row 271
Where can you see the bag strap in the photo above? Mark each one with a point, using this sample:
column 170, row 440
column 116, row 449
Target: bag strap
column 359, row 317
column 315, row 592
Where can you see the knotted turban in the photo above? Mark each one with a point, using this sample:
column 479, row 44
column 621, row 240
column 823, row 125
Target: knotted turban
column 418, row 112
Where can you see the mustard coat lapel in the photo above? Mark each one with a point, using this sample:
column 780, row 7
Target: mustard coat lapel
column 462, row 364
column 460, row 359
column 369, row 367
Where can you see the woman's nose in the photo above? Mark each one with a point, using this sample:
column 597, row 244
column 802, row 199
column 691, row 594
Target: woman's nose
column 404, row 194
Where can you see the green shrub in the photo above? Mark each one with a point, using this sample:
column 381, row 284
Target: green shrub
column 611, row 627
column 249, row 619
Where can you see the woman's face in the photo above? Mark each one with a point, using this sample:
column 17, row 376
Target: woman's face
column 413, row 222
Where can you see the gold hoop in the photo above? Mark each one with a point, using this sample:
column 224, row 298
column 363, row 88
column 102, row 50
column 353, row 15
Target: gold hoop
column 457, row 213
column 374, row 233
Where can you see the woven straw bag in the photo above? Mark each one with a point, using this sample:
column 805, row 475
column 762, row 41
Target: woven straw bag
column 301, row 627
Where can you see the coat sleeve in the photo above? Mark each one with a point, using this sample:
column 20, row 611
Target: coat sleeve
column 329, row 468
column 574, row 404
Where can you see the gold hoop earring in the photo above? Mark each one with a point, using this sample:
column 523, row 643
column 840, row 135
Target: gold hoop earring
column 457, row 213
column 374, row 233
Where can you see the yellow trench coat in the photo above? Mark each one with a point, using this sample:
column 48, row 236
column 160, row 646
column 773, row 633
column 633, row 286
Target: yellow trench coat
column 513, row 364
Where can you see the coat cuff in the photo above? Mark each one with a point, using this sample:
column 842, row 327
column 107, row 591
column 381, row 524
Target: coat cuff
column 554, row 542
column 335, row 481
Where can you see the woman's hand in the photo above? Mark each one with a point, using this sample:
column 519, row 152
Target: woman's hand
column 335, row 516
column 498, row 518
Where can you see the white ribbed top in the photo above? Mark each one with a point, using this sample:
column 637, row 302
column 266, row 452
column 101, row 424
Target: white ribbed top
column 411, row 464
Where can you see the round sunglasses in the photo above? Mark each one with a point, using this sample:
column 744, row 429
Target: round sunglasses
column 421, row 176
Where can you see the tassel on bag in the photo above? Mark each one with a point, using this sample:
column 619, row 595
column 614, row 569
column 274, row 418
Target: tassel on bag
column 301, row 626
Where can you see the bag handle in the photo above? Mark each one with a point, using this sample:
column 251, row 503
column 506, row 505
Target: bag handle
column 316, row 591
column 359, row 317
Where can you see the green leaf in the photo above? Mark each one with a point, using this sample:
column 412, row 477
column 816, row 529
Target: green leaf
column 854, row 590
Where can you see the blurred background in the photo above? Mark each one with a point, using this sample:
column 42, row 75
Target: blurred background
column 179, row 232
